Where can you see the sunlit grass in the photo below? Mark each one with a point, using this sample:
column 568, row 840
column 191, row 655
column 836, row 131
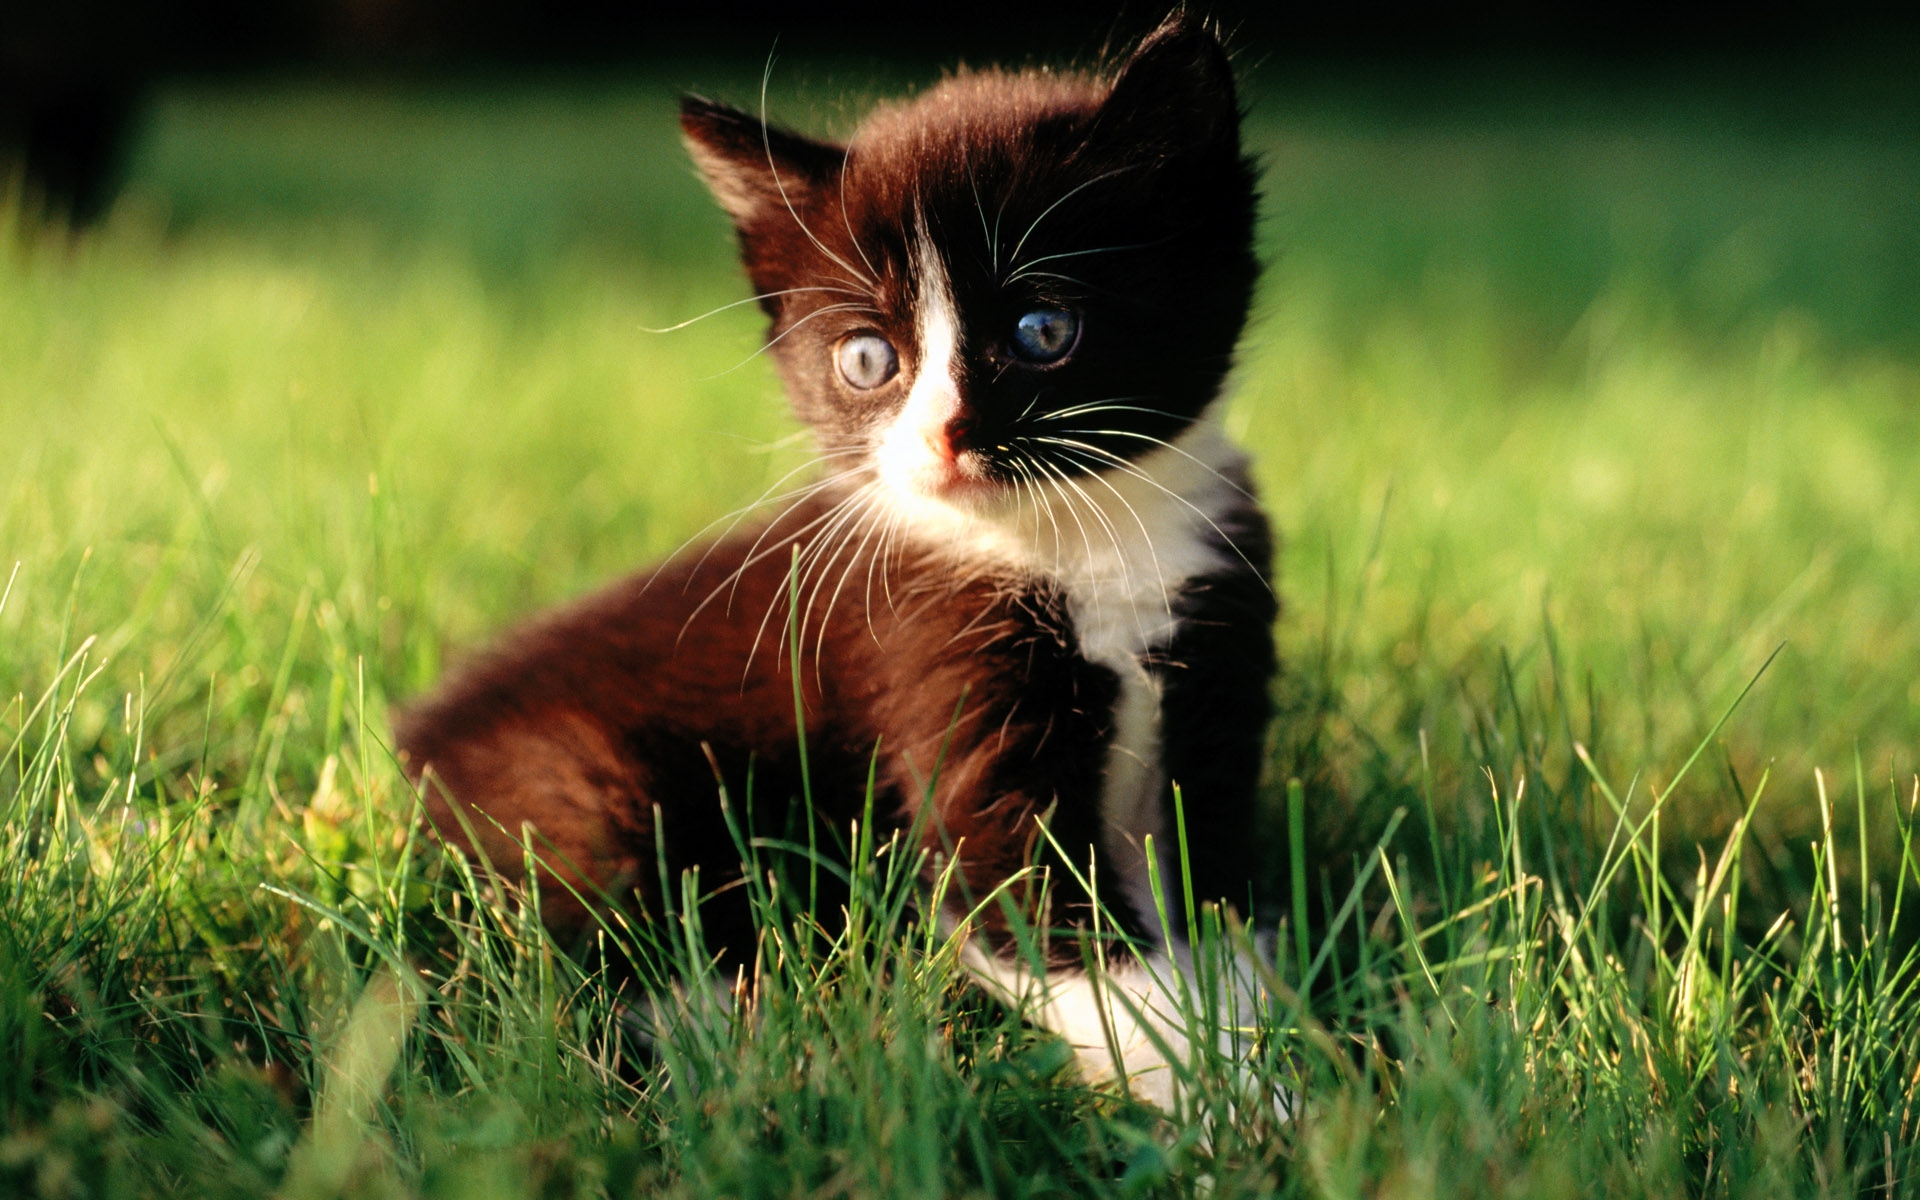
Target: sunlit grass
column 1567, row 425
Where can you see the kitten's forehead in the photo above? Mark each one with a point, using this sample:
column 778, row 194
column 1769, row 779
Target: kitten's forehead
column 974, row 111
column 974, row 138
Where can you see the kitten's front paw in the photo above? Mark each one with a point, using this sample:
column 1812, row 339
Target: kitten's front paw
column 1141, row 1021
column 1136, row 1022
column 1163, row 1077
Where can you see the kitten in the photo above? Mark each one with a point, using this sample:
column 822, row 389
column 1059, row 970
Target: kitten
column 1006, row 308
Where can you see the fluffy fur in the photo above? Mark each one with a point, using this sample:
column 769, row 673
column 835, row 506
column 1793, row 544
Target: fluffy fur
column 1059, row 545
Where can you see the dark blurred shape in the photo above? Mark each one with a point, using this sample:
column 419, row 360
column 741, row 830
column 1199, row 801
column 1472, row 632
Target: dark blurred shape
column 66, row 89
column 68, row 137
column 73, row 72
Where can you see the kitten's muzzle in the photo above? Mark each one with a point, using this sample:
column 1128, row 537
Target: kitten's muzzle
column 949, row 441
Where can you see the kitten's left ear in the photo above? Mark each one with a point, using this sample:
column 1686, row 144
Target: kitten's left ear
column 1175, row 94
column 755, row 170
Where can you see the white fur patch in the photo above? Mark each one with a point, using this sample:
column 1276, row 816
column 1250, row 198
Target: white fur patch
column 906, row 458
column 1116, row 1022
column 1135, row 1018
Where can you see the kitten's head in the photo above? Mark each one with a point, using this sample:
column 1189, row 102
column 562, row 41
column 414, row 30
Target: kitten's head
column 1009, row 281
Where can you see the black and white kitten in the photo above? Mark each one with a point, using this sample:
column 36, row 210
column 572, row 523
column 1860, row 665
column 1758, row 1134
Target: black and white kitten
column 1006, row 308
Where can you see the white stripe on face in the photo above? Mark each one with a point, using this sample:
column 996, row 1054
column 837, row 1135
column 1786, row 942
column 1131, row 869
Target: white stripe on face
column 910, row 455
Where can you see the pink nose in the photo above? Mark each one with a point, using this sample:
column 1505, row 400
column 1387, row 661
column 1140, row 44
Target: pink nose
column 950, row 439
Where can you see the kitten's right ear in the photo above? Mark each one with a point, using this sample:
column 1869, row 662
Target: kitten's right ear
column 754, row 169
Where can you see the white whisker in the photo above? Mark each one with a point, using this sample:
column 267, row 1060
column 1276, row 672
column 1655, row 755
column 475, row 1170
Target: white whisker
column 1129, row 468
column 1023, row 272
column 766, row 142
column 1023, row 478
column 713, row 312
column 879, row 557
column 1082, row 284
column 738, row 515
column 845, row 158
column 993, row 237
column 849, row 527
column 1145, row 536
column 873, row 521
column 1048, row 211
column 1117, row 403
column 1113, row 537
column 1128, row 433
column 781, row 336
column 730, row 583
column 810, row 557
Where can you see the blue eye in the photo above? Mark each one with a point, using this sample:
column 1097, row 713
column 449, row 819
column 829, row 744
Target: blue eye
column 867, row 360
column 1045, row 335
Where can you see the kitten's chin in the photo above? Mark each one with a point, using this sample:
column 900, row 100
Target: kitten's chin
column 920, row 482
column 944, row 503
column 963, row 496
column 981, row 497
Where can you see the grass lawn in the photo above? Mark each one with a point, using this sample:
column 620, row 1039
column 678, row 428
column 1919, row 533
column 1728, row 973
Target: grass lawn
column 1578, row 399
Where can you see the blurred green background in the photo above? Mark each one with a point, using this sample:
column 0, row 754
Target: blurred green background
column 1575, row 387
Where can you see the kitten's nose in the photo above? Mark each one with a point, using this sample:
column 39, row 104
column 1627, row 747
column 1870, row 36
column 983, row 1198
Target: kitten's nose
column 951, row 438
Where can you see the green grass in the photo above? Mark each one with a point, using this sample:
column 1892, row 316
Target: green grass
column 1573, row 399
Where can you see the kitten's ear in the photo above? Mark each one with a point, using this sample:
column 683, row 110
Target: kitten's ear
column 753, row 168
column 1175, row 94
